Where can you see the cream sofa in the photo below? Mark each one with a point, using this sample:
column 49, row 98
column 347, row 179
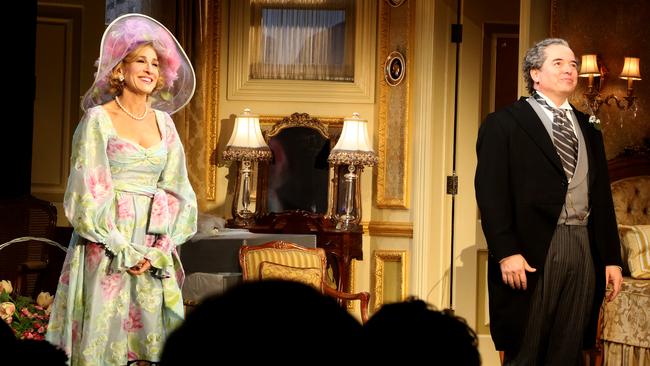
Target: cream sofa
column 625, row 321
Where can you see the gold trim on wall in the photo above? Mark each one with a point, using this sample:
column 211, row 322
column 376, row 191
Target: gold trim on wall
column 391, row 229
column 393, row 117
column 353, row 282
column 213, row 47
column 364, row 226
column 380, row 258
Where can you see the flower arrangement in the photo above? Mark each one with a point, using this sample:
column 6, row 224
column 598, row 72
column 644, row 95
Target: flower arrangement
column 28, row 319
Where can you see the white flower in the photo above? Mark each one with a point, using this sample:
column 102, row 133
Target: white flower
column 6, row 286
column 595, row 121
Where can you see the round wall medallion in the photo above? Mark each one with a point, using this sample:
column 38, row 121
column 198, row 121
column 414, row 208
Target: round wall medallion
column 395, row 3
column 394, row 68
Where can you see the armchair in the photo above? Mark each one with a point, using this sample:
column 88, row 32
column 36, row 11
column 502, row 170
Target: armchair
column 283, row 260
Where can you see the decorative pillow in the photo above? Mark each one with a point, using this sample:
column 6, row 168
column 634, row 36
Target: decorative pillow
column 636, row 243
column 622, row 229
column 309, row 275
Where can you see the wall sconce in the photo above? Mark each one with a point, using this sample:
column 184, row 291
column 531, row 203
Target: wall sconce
column 590, row 68
column 246, row 145
column 352, row 149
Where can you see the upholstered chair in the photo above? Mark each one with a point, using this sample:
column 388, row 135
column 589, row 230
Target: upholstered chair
column 288, row 261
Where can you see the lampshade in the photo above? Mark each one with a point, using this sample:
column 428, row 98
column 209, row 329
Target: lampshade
column 589, row 66
column 353, row 146
column 246, row 141
column 631, row 69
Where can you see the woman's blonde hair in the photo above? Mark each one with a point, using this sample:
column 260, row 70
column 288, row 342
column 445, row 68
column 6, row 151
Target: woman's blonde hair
column 117, row 85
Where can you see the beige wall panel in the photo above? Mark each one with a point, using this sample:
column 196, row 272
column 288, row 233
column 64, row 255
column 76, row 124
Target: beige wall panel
column 56, row 105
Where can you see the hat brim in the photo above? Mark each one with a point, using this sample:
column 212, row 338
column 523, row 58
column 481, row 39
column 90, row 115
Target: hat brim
column 122, row 36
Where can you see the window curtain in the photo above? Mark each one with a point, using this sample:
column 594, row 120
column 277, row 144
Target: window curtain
column 302, row 39
column 191, row 31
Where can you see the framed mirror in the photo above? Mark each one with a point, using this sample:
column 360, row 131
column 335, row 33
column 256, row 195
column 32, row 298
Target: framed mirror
column 296, row 191
column 299, row 177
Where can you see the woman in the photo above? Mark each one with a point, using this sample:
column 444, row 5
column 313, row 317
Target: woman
column 129, row 200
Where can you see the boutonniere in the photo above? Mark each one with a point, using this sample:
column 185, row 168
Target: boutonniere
column 594, row 121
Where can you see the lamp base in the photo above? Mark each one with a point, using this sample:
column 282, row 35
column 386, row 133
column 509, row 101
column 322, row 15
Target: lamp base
column 241, row 222
column 346, row 223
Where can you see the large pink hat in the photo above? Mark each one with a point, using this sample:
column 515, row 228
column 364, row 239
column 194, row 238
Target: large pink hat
column 125, row 34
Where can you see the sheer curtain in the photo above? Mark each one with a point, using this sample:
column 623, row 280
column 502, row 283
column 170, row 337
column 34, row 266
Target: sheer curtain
column 302, row 39
column 191, row 30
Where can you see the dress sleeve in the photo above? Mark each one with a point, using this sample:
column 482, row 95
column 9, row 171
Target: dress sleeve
column 179, row 199
column 89, row 200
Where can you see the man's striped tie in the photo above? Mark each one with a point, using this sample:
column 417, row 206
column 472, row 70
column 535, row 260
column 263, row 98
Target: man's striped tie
column 564, row 138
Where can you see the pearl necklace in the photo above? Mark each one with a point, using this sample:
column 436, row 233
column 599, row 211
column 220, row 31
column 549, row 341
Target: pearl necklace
column 146, row 110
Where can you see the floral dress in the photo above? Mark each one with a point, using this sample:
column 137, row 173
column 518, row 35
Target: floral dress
column 126, row 203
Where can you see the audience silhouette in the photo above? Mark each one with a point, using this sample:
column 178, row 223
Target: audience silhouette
column 292, row 323
column 412, row 331
column 264, row 321
column 28, row 352
column 7, row 339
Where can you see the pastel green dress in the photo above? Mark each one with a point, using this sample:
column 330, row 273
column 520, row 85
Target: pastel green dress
column 125, row 202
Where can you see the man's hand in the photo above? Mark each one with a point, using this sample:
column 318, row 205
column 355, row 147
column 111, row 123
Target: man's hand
column 140, row 268
column 613, row 275
column 513, row 271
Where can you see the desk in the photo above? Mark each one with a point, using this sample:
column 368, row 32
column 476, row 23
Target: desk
column 341, row 247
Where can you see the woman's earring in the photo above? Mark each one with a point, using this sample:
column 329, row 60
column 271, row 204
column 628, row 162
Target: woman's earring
column 121, row 78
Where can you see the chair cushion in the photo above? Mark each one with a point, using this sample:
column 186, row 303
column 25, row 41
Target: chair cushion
column 636, row 244
column 307, row 275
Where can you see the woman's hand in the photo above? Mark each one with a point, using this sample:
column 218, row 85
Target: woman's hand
column 140, row 268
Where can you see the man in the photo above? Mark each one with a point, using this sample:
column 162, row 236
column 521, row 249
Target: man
column 543, row 191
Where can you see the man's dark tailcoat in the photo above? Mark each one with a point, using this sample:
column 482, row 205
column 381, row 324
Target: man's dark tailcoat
column 520, row 190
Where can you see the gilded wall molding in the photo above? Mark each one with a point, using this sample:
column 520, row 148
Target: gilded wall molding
column 353, row 282
column 393, row 117
column 390, row 229
column 213, row 47
column 390, row 282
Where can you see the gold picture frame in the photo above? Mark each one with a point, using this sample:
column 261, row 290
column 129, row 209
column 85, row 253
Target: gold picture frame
column 390, row 277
